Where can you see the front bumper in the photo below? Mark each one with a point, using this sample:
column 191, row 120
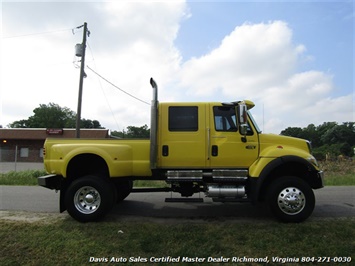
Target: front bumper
column 50, row 181
column 320, row 176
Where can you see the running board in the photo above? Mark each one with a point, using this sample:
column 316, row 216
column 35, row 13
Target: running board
column 152, row 189
column 185, row 176
column 184, row 200
column 220, row 175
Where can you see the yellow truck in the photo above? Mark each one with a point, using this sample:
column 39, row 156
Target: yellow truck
column 195, row 147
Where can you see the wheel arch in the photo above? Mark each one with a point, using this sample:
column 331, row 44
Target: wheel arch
column 79, row 166
column 85, row 164
column 284, row 166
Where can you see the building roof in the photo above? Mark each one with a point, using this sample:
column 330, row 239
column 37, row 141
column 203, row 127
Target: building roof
column 43, row 133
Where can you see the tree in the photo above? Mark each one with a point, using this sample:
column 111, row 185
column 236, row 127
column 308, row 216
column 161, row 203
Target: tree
column 329, row 137
column 312, row 135
column 296, row 132
column 142, row 132
column 87, row 123
column 339, row 134
column 53, row 116
column 138, row 132
column 19, row 124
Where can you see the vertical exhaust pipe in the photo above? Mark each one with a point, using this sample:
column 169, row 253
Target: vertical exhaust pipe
column 154, row 126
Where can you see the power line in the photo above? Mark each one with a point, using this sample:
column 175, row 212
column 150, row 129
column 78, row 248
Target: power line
column 102, row 90
column 37, row 33
column 109, row 82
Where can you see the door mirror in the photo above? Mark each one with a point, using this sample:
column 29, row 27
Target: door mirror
column 242, row 116
column 243, row 129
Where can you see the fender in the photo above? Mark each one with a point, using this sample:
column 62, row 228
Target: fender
column 113, row 155
column 257, row 182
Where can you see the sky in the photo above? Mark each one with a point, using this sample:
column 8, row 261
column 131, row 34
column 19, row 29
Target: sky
column 294, row 59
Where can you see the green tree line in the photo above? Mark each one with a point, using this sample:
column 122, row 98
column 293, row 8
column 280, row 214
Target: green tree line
column 329, row 138
column 142, row 132
column 53, row 116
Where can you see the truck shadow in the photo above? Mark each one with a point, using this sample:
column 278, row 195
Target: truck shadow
column 177, row 212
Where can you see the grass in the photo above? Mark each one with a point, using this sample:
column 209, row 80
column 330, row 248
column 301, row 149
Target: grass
column 67, row 242
column 21, row 178
column 338, row 173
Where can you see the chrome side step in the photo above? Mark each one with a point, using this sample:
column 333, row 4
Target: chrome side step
column 221, row 175
column 185, row 176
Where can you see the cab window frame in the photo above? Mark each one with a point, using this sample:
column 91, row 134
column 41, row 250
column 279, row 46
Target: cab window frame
column 183, row 119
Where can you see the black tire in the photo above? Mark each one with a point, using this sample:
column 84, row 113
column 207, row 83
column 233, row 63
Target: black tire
column 89, row 198
column 291, row 199
column 123, row 189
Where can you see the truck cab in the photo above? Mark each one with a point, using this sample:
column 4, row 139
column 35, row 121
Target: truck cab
column 204, row 135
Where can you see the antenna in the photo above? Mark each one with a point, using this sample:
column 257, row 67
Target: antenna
column 263, row 119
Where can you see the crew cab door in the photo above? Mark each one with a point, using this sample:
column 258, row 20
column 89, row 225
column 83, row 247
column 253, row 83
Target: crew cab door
column 227, row 147
column 182, row 135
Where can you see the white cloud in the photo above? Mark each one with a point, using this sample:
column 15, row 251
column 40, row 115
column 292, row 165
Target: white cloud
column 259, row 62
column 144, row 35
column 250, row 59
column 129, row 43
column 133, row 41
column 300, row 90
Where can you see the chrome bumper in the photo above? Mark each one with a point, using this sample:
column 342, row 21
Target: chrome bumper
column 321, row 178
column 50, row 181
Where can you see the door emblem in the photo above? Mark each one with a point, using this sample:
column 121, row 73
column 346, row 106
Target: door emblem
column 250, row 147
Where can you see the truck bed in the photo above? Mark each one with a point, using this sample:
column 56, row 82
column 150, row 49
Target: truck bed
column 123, row 157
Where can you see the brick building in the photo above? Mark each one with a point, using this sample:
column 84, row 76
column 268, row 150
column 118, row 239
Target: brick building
column 26, row 144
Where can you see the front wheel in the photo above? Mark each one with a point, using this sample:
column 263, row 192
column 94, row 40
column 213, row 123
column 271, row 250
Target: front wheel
column 89, row 198
column 291, row 199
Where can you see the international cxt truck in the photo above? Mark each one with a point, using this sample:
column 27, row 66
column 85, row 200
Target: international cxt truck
column 195, row 147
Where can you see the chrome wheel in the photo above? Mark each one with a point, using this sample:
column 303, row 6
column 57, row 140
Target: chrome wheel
column 87, row 200
column 291, row 200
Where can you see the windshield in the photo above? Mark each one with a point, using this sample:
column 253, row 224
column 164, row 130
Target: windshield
column 254, row 123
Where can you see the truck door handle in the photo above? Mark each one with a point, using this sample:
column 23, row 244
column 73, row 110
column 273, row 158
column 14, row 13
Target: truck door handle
column 165, row 150
column 214, row 150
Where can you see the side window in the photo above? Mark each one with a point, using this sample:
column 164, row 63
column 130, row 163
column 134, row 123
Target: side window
column 249, row 130
column 224, row 118
column 183, row 118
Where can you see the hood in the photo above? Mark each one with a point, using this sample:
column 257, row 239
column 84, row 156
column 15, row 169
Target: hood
column 282, row 145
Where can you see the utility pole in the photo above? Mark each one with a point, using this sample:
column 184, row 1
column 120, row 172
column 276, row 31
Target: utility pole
column 82, row 76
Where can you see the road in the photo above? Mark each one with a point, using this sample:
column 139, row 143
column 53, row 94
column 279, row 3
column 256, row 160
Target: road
column 330, row 202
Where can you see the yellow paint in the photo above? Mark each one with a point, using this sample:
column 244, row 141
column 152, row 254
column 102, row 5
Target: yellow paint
column 185, row 149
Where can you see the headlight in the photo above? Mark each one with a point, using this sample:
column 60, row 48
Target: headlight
column 313, row 160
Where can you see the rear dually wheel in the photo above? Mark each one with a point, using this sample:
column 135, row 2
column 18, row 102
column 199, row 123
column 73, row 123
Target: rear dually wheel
column 89, row 198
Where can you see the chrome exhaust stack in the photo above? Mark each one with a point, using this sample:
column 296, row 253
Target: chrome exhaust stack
column 154, row 126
